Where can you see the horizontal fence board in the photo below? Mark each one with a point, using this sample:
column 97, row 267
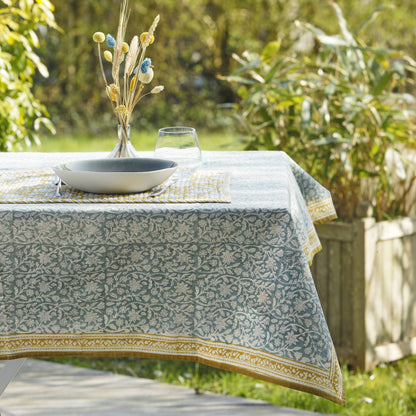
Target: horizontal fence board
column 395, row 350
column 336, row 231
column 388, row 230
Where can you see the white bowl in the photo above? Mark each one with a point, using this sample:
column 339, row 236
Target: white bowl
column 115, row 176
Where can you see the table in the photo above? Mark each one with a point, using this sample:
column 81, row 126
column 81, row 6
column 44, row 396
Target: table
column 225, row 284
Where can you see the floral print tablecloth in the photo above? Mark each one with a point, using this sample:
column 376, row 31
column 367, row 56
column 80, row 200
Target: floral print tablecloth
column 226, row 284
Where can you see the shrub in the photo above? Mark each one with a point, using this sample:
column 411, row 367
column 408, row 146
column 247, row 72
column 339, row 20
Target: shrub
column 343, row 112
column 21, row 114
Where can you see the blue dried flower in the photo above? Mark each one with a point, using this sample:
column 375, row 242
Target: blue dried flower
column 145, row 65
column 111, row 42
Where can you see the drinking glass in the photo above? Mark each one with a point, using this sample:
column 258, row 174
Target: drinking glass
column 181, row 145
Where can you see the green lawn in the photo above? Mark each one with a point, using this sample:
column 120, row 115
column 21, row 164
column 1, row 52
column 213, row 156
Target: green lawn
column 141, row 141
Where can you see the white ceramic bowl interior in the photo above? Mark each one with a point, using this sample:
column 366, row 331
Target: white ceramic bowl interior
column 120, row 176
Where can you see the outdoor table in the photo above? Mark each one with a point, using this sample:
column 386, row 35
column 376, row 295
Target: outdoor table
column 223, row 283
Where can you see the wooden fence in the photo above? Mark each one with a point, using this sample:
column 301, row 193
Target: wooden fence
column 366, row 279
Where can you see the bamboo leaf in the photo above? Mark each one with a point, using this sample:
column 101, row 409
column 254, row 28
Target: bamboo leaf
column 309, row 27
column 241, row 80
column 39, row 65
column 376, row 114
column 46, row 122
column 372, row 17
column 348, row 36
column 332, row 40
column 273, row 71
column 383, row 83
column 270, row 51
column 284, row 104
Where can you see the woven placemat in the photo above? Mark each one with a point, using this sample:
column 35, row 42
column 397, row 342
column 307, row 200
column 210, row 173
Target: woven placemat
column 38, row 186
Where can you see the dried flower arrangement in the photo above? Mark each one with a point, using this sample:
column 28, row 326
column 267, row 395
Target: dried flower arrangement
column 128, row 82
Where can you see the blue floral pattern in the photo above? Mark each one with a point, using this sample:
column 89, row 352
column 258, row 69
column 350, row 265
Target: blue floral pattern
column 232, row 276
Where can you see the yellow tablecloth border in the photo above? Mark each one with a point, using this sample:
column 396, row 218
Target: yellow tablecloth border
column 248, row 361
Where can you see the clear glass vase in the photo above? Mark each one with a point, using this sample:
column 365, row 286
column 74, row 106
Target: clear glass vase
column 123, row 148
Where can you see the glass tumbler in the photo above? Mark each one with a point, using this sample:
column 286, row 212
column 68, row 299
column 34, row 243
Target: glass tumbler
column 181, row 145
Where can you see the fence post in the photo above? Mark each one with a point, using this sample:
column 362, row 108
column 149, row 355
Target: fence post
column 364, row 253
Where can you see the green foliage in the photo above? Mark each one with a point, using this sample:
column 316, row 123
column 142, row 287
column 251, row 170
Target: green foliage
column 343, row 113
column 195, row 40
column 193, row 43
column 21, row 114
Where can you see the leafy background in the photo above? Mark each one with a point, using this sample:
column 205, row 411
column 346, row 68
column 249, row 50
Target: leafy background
column 195, row 41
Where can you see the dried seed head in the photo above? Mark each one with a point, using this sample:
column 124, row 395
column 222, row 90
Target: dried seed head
column 132, row 83
column 132, row 55
column 143, row 38
column 108, row 56
column 145, row 65
column 157, row 89
column 111, row 42
column 149, row 35
column 121, row 109
column 121, row 31
column 147, row 77
column 98, row 37
column 113, row 91
column 124, row 47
